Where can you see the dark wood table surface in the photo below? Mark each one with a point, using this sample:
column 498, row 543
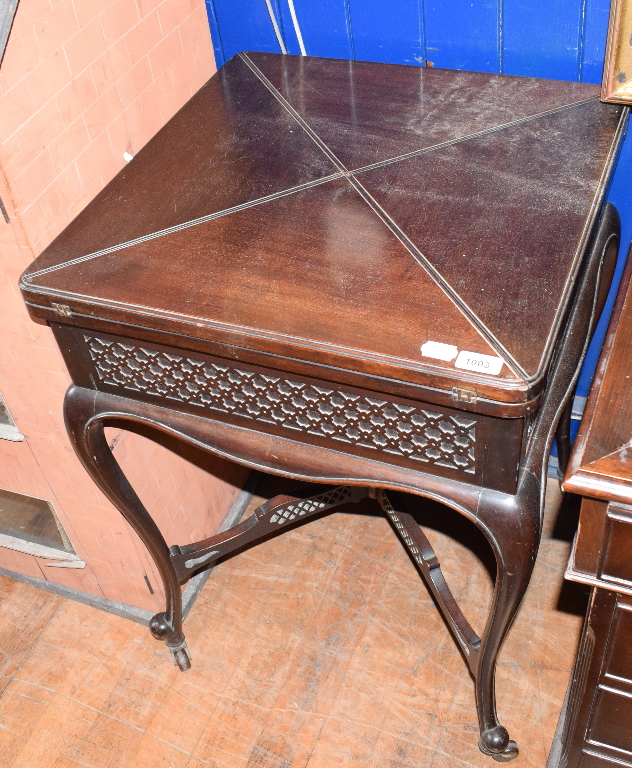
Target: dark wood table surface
column 376, row 276
column 597, row 729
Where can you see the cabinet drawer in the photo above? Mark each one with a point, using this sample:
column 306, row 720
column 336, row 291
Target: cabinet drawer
column 611, row 720
column 619, row 663
column 616, row 565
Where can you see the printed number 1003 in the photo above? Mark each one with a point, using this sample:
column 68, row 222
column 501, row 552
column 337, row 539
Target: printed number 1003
column 473, row 361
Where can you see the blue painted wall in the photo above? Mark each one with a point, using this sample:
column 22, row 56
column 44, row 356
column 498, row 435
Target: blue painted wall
column 562, row 39
column 559, row 39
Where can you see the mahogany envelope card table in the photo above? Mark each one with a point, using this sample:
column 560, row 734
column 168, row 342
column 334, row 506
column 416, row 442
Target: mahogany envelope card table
column 370, row 276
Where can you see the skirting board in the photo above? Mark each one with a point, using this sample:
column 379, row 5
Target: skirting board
column 139, row 615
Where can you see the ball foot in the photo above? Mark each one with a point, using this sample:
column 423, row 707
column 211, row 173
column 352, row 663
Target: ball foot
column 510, row 752
column 160, row 627
column 497, row 744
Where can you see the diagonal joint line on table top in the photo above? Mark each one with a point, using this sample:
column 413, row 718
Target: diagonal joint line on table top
column 582, row 243
column 474, row 135
column 187, row 224
column 438, row 278
column 289, row 108
column 332, row 156
column 510, row 361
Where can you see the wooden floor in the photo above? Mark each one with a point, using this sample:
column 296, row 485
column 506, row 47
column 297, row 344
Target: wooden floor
column 318, row 648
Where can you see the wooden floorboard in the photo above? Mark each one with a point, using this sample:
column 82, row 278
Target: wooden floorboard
column 315, row 649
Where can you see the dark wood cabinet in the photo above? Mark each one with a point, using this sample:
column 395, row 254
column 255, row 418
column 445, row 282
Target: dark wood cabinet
column 597, row 727
column 598, row 719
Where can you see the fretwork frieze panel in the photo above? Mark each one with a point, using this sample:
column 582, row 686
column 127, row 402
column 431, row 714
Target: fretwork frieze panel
column 375, row 423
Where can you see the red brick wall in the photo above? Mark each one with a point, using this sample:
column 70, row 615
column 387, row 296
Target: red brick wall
column 81, row 83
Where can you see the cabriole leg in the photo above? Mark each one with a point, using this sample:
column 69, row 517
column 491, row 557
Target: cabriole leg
column 86, row 430
column 512, row 526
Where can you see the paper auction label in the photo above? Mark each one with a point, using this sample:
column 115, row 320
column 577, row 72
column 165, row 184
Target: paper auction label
column 474, row 361
column 439, row 351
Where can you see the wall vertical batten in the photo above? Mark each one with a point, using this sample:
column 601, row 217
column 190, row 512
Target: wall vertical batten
column 216, row 36
column 542, row 39
column 324, row 26
column 595, row 31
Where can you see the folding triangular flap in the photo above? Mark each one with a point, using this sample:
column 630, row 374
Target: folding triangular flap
column 366, row 112
column 316, row 266
column 232, row 143
column 501, row 217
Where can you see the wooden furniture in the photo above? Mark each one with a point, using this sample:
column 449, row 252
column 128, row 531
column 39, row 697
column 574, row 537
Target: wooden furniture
column 598, row 723
column 374, row 276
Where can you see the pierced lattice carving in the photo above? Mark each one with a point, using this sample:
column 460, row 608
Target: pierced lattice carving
column 402, row 531
column 370, row 422
column 295, row 509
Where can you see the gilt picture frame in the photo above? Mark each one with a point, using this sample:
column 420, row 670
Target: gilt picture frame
column 616, row 85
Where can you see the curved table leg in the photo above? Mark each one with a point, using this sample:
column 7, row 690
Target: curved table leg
column 85, row 424
column 86, row 431
column 512, row 526
column 510, row 523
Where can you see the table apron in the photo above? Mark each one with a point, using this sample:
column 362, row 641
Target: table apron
column 474, row 448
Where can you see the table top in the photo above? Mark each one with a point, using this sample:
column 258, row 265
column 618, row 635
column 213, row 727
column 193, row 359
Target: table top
column 412, row 224
column 601, row 461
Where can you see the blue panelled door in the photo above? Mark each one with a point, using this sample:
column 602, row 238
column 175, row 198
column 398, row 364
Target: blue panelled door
column 559, row 39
